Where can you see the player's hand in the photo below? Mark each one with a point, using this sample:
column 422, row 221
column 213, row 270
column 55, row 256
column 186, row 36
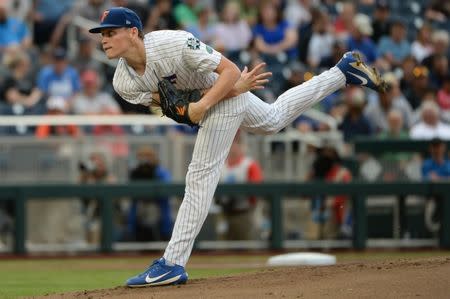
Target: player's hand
column 255, row 79
column 196, row 112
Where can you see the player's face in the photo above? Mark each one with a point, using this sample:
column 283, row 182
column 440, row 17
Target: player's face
column 115, row 41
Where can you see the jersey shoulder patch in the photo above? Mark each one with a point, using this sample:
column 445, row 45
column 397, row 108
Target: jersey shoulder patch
column 193, row 43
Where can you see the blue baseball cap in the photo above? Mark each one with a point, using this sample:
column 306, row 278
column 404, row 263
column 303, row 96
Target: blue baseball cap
column 118, row 17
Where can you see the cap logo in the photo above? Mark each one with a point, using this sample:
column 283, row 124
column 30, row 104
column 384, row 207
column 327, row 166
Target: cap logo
column 128, row 22
column 104, row 15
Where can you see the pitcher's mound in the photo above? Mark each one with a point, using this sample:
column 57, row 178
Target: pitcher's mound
column 402, row 278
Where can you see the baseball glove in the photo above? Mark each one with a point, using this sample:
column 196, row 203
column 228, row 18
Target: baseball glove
column 175, row 103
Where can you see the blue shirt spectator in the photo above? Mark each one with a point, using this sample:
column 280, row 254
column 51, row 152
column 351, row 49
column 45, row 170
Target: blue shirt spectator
column 355, row 123
column 366, row 46
column 275, row 35
column 360, row 40
column 13, row 32
column 353, row 127
column 149, row 169
column 395, row 47
column 59, row 78
column 437, row 167
column 442, row 170
column 398, row 50
column 49, row 11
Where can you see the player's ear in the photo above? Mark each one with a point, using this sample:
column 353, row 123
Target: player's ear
column 132, row 32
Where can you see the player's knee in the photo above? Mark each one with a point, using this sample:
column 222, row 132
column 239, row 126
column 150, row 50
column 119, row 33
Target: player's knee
column 273, row 127
column 270, row 130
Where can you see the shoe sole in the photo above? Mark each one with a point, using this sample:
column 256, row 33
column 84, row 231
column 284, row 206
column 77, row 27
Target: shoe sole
column 375, row 74
column 158, row 284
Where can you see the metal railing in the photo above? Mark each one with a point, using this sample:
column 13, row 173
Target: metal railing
column 273, row 192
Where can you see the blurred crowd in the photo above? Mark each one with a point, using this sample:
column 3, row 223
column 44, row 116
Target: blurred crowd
column 48, row 66
column 408, row 41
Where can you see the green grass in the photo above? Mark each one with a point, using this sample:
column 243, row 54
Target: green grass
column 46, row 276
column 40, row 277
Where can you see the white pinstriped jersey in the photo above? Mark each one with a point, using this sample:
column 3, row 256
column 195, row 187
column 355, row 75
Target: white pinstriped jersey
column 190, row 64
column 176, row 55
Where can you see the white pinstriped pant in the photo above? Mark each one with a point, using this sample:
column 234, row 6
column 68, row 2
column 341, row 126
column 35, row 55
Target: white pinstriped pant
column 214, row 140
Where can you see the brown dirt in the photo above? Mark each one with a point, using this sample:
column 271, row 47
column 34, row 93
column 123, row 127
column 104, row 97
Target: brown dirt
column 402, row 278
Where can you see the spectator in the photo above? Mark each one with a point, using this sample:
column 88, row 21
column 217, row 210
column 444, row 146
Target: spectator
column 240, row 211
column 438, row 11
column 90, row 10
column 428, row 96
column 45, row 16
column 439, row 71
column 204, row 29
column 344, row 21
column 84, row 58
column 59, row 78
column 441, row 41
column 19, row 8
column 233, row 34
column 185, row 13
column 91, row 100
column 275, row 41
column 338, row 49
column 395, row 126
column 419, row 86
column 19, row 88
column 392, row 98
column 321, row 43
column 273, row 35
column 355, row 123
column 142, row 224
column 305, row 33
column 435, row 169
column 298, row 12
column 57, row 106
column 13, row 32
column 395, row 164
column 95, row 170
column 407, row 77
column 330, row 215
column 249, row 11
column 381, row 23
column 422, row 46
column 430, row 125
column 161, row 16
column 359, row 39
column 395, row 47
column 443, row 96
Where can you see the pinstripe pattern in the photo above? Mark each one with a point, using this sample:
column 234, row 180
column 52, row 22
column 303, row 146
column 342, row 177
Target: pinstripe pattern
column 167, row 54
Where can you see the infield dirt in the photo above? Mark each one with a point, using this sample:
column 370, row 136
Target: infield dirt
column 400, row 278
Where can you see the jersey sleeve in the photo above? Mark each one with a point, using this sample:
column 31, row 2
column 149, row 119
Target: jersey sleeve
column 126, row 88
column 135, row 97
column 198, row 56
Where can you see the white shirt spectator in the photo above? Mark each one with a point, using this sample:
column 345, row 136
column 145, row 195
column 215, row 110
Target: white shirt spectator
column 426, row 132
column 101, row 103
column 233, row 37
column 420, row 51
column 319, row 47
column 430, row 126
column 297, row 12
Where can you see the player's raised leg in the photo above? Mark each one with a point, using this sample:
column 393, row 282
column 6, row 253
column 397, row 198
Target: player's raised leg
column 266, row 118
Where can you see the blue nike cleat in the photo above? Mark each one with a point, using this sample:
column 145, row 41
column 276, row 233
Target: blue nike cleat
column 159, row 273
column 358, row 73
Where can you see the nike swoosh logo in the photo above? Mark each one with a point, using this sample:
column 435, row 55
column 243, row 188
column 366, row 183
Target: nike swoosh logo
column 363, row 80
column 149, row 279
